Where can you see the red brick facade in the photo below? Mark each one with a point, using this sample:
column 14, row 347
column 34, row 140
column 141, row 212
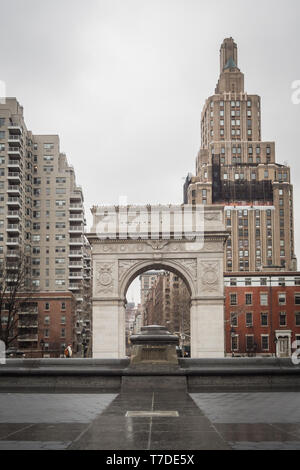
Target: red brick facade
column 46, row 324
column 262, row 313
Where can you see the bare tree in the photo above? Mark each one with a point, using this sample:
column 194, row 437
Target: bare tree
column 15, row 290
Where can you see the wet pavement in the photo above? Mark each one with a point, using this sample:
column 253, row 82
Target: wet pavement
column 150, row 421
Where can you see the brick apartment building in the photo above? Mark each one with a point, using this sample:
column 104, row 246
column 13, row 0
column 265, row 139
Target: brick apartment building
column 262, row 313
column 45, row 324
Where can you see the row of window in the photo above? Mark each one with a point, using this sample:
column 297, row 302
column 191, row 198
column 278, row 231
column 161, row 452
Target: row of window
column 62, row 333
column 233, row 103
column 250, row 344
column 263, row 281
column 264, row 298
column 264, row 319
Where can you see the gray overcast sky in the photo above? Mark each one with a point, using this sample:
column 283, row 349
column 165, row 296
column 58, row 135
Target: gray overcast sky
column 123, row 83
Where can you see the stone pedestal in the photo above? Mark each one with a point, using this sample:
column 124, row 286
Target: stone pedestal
column 154, row 362
column 155, row 346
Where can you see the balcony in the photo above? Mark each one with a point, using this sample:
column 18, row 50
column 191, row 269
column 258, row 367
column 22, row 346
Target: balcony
column 75, row 241
column 74, row 286
column 75, row 253
column 12, row 266
column 13, row 228
column 15, row 139
column 76, row 217
column 15, row 129
column 75, row 264
column 14, row 176
column 76, row 207
column 14, row 188
column 12, row 254
column 15, row 151
column 14, row 163
column 12, row 241
column 13, row 214
column 29, row 311
column 14, row 201
column 75, row 275
column 28, row 324
column 29, row 337
column 76, row 228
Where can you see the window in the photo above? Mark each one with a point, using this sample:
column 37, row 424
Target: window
column 233, row 299
column 233, row 281
column 59, row 260
column 297, row 299
column 264, row 319
column 48, row 146
column 60, row 272
column 63, row 320
column 233, row 319
column 249, row 342
column 249, row 319
column 297, row 318
column 282, row 299
column 46, row 333
column 60, row 202
column 234, row 343
column 265, row 342
column 248, row 299
column 47, row 320
column 63, row 305
column 282, row 319
column 63, row 332
column 264, row 298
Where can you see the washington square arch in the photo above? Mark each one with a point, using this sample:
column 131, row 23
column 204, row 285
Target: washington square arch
column 194, row 253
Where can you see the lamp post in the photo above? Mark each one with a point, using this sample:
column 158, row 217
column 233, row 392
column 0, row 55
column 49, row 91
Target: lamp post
column 232, row 335
column 42, row 343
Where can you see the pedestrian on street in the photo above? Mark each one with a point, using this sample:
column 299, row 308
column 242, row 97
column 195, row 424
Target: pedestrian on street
column 68, row 351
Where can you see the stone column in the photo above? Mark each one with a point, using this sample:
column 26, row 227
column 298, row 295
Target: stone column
column 109, row 329
column 207, row 328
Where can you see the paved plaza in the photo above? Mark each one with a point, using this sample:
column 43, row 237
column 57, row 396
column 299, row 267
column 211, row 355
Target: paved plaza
column 150, row 421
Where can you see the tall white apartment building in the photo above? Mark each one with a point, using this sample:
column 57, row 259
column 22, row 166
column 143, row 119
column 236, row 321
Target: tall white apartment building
column 42, row 212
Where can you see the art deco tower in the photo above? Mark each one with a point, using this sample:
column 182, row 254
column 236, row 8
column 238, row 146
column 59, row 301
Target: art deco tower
column 236, row 168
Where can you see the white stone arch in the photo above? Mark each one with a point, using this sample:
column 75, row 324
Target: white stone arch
column 197, row 260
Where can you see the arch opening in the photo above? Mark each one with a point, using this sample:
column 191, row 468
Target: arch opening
column 158, row 294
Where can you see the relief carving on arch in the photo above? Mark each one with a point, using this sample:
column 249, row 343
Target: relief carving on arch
column 190, row 265
column 104, row 281
column 124, row 265
column 157, row 244
column 210, row 276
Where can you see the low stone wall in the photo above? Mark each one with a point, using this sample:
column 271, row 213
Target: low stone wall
column 114, row 375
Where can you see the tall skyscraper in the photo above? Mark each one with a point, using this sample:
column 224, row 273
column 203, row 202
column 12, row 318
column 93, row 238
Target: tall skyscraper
column 236, row 168
column 42, row 212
